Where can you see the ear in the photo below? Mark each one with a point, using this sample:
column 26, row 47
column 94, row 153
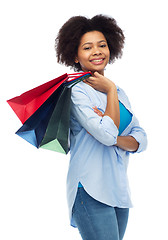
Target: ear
column 76, row 60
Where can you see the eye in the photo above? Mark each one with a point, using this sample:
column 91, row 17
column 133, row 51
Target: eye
column 87, row 48
column 103, row 45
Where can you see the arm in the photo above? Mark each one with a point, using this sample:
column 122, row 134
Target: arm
column 103, row 84
column 112, row 108
column 101, row 128
column 100, row 83
column 136, row 141
column 127, row 143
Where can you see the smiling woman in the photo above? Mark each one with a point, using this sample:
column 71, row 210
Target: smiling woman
column 70, row 36
column 93, row 52
column 103, row 130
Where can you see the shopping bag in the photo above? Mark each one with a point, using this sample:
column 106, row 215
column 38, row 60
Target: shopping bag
column 27, row 103
column 48, row 126
column 57, row 132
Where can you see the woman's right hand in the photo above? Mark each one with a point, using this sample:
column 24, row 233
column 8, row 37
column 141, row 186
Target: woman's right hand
column 100, row 83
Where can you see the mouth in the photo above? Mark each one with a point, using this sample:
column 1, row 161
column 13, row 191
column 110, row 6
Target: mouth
column 97, row 61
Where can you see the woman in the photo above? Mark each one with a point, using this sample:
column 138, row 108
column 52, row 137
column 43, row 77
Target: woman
column 103, row 130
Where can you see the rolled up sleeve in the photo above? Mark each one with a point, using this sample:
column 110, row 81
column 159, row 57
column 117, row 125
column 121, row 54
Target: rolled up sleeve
column 103, row 128
column 140, row 135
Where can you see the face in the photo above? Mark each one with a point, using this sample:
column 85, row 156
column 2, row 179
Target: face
column 93, row 52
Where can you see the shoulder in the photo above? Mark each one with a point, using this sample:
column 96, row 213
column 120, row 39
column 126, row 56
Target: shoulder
column 82, row 88
column 79, row 86
column 123, row 96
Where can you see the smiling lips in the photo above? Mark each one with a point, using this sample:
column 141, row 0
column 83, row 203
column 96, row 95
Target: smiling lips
column 97, row 61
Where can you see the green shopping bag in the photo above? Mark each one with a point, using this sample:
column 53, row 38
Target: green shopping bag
column 57, row 132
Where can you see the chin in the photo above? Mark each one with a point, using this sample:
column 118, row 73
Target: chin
column 100, row 70
column 93, row 69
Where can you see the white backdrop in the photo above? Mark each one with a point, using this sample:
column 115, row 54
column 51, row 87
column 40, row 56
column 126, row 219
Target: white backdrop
column 33, row 182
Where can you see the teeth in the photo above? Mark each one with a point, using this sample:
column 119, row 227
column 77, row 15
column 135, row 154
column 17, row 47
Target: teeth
column 97, row 60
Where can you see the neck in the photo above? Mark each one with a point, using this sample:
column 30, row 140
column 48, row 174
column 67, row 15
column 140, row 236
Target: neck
column 92, row 72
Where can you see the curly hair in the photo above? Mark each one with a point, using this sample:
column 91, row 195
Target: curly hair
column 68, row 38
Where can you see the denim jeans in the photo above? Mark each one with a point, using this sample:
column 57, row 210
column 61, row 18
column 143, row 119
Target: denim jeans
column 98, row 221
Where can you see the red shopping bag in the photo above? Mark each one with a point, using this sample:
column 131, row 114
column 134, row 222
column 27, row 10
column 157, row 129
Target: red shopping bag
column 27, row 103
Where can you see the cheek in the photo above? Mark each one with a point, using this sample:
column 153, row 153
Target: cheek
column 83, row 58
column 108, row 53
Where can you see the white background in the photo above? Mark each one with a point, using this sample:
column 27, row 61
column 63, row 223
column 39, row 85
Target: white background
column 33, row 182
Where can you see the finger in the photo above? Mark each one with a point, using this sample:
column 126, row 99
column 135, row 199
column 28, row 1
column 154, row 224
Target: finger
column 99, row 114
column 97, row 111
column 96, row 74
column 90, row 82
column 86, row 80
column 91, row 79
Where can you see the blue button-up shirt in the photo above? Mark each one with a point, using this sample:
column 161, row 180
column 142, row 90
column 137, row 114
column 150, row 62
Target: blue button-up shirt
column 95, row 161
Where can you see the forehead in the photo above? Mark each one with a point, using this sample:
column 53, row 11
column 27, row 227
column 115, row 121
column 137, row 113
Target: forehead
column 92, row 37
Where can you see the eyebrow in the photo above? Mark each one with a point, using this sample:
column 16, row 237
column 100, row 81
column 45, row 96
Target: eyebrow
column 92, row 42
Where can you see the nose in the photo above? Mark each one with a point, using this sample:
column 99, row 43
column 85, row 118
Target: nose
column 96, row 51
